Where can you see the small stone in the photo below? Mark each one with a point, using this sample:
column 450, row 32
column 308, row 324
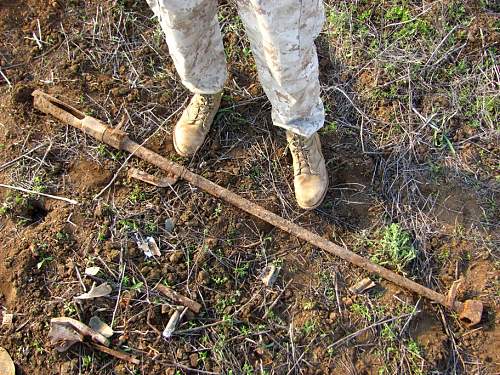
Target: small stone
column 169, row 225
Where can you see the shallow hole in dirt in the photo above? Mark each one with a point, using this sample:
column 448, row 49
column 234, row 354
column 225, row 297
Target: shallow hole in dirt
column 35, row 212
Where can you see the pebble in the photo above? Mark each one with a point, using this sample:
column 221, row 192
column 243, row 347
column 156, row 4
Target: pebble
column 169, row 225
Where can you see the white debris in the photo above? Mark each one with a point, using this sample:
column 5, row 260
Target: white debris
column 172, row 324
column 92, row 271
column 153, row 247
column 269, row 275
column 96, row 291
column 7, row 319
column 362, row 286
column 98, row 325
column 149, row 247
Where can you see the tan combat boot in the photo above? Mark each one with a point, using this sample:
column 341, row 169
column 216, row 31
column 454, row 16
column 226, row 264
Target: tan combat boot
column 194, row 124
column 311, row 178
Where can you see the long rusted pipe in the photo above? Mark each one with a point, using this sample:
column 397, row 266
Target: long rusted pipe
column 470, row 311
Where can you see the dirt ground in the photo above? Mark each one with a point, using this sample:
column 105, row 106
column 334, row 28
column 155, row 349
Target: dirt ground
column 411, row 143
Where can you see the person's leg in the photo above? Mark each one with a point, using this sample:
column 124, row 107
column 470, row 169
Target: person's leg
column 195, row 44
column 194, row 41
column 282, row 36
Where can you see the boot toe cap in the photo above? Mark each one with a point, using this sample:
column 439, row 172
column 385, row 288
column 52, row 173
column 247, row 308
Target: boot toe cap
column 310, row 190
column 185, row 142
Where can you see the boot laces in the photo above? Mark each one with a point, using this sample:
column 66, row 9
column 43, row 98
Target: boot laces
column 202, row 107
column 302, row 149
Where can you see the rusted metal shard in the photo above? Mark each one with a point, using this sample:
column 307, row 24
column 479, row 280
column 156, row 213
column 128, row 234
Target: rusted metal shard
column 120, row 140
column 178, row 298
column 116, row 353
column 150, row 179
column 471, row 313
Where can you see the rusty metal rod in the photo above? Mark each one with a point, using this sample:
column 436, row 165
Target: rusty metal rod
column 120, row 140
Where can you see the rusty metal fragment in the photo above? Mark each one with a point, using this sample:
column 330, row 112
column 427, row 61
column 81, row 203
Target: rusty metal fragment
column 471, row 313
column 178, row 298
column 150, row 179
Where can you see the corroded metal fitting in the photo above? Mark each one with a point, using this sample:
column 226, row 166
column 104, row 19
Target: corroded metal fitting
column 471, row 313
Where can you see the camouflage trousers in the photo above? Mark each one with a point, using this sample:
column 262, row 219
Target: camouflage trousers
column 281, row 34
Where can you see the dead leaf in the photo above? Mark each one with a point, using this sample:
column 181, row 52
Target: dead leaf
column 64, row 336
column 96, row 291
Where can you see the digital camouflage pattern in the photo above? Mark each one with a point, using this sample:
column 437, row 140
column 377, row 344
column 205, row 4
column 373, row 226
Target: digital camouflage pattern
column 281, row 35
